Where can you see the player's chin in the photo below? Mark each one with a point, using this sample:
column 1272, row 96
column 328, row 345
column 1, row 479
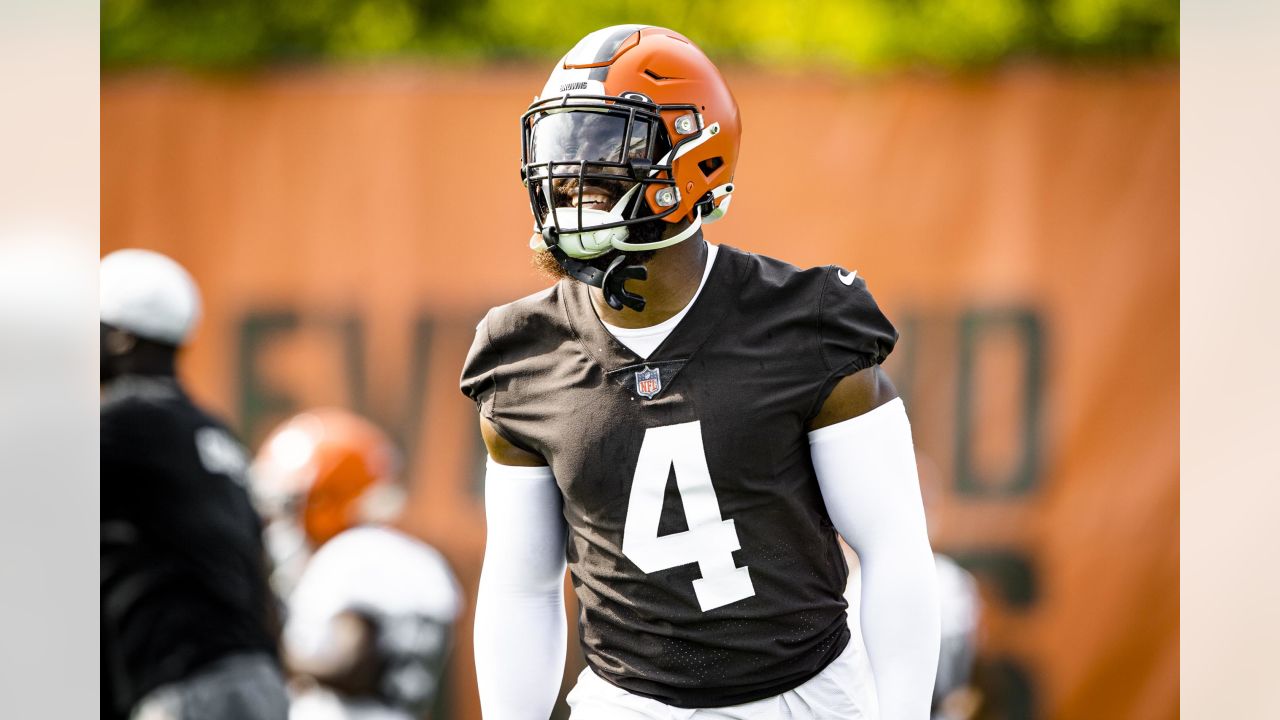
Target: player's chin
column 545, row 263
column 646, row 232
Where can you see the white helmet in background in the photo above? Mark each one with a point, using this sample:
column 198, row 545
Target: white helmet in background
column 148, row 295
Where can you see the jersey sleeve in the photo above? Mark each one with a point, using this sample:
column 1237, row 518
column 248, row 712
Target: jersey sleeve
column 479, row 371
column 853, row 333
column 482, row 373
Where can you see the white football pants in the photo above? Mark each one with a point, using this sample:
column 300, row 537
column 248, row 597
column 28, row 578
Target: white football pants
column 839, row 692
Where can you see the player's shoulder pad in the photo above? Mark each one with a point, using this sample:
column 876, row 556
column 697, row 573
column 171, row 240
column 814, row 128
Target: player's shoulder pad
column 772, row 285
column 508, row 323
column 134, row 397
column 138, row 412
column 507, row 333
column 852, row 329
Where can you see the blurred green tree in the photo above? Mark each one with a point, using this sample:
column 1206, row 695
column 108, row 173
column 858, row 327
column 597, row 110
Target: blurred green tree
column 858, row 35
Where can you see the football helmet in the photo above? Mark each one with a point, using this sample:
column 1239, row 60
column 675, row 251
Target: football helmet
column 317, row 474
column 149, row 295
column 634, row 125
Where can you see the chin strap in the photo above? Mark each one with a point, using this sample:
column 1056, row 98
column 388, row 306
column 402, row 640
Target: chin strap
column 584, row 244
column 615, row 278
column 679, row 237
column 612, row 280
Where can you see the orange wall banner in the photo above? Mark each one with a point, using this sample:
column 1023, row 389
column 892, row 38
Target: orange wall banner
column 349, row 227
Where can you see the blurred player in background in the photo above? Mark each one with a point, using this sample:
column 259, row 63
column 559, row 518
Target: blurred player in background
column 369, row 608
column 689, row 426
column 186, row 607
column 954, row 695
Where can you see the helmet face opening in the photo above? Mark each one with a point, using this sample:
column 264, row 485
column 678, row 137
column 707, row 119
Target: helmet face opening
column 586, row 155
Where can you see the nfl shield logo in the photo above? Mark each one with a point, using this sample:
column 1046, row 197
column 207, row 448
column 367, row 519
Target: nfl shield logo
column 648, row 382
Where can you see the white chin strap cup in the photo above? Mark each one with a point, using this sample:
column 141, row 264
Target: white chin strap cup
column 594, row 243
column 587, row 243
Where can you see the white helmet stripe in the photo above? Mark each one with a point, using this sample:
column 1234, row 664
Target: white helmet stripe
column 600, row 45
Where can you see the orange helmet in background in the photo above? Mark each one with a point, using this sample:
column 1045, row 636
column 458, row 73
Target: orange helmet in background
column 634, row 125
column 324, row 471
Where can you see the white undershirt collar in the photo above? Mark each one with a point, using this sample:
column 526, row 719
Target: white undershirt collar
column 643, row 341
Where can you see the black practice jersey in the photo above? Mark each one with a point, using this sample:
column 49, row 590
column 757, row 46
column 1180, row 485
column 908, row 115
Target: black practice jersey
column 705, row 564
column 183, row 579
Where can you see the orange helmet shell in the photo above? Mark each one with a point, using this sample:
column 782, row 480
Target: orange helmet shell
column 665, row 67
column 321, row 468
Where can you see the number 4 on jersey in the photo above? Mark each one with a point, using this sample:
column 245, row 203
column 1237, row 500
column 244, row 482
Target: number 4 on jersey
column 709, row 541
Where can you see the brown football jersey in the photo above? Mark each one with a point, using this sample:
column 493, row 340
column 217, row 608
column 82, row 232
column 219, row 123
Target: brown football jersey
column 705, row 565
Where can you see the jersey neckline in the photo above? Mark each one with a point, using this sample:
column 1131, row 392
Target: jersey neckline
column 628, row 336
column 698, row 324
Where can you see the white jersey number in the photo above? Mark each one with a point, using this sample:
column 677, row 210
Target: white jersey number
column 709, row 541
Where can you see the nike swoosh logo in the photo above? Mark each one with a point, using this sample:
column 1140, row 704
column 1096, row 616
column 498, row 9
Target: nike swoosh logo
column 846, row 278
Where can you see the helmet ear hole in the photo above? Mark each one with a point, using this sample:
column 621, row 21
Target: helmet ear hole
column 710, row 165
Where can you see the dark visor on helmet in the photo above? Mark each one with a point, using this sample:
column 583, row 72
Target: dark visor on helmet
column 594, row 137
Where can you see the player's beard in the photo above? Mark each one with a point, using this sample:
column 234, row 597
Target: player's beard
column 644, row 232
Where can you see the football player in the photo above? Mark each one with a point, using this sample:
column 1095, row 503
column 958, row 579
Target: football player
column 370, row 609
column 189, row 628
column 954, row 696
column 689, row 427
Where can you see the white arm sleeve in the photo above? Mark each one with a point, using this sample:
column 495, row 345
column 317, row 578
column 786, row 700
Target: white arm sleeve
column 520, row 632
column 866, row 469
